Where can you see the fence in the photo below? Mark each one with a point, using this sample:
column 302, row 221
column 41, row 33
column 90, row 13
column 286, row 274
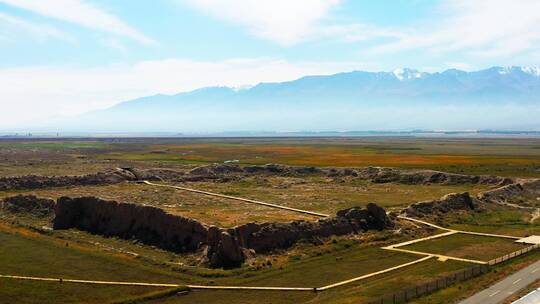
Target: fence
column 440, row 283
column 513, row 254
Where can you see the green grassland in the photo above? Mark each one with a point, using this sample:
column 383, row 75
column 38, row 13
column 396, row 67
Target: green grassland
column 332, row 267
column 29, row 256
column 304, row 265
column 495, row 219
column 468, row 246
column 87, row 256
column 497, row 156
column 358, row 292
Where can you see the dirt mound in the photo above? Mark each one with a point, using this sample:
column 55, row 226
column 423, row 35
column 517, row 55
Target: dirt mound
column 37, row 182
column 414, row 177
column 222, row 247
column 268, row 236
column 149, row 224
column 449, row 203
column 28, row 204
column 216, row 169
column 275, row 169
column 527, row 189
column 374, row 174
column 341, row 172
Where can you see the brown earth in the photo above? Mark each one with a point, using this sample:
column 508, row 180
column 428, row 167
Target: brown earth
column 221, row 247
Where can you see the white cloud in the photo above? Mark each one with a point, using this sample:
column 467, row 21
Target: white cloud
column 282, row 21
column 81, row 13
column 61, row 91
column 13, row 24
column 481, row 28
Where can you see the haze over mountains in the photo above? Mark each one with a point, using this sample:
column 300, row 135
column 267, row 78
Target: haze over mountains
column 504, row 98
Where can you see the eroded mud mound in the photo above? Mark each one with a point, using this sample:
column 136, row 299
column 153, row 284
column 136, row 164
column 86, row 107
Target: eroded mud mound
column 374, row 174
column 148, row 224
column 221, row 247
column 268, row 236
column 455, row 202
column 28, row 204
column 275, row 169
column 227, row 172
column 412, row 177
column 452, row 202
column 526, row 189
column 37, row 182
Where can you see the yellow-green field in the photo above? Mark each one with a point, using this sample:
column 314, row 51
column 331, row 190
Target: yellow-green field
column 468, row 246
column 311, row 193
column 507, row 157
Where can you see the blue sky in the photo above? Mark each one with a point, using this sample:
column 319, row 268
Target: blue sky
column 62, row 57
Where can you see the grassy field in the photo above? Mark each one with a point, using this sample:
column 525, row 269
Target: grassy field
column 314, row 194
column 30, row 256
column 303, row 265
column 508, row 157
column 90, row 256
column 467, row 246
column 332, row 267
column 501, row 157
column 358, row 292
column 496, row 219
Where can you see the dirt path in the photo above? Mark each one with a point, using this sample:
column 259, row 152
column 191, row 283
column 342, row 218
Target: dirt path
column 535, row 214
column 217, row 287
column 394, row 247
column 448, row 232
column 459, row 231
column 239, row 199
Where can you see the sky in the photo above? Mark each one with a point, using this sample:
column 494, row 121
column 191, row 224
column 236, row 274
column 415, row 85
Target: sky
column 63, row 57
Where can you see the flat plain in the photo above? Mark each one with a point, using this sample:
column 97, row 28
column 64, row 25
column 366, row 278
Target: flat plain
column 31, row 248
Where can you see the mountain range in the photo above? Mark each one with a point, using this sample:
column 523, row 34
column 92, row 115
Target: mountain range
column 495, row 98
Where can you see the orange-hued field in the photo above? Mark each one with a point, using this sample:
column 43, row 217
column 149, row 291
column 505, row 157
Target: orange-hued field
column 508, row 157
column 516, row 157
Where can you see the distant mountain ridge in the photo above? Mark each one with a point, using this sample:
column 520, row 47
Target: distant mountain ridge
column 499, row 97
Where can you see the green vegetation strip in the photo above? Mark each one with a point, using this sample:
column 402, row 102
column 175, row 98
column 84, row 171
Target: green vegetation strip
column 373, row 274
column 187, row 287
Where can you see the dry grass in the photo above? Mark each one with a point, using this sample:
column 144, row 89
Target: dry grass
column 314, row 194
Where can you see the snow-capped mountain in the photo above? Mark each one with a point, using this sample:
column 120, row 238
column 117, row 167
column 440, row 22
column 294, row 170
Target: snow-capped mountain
column 498, row 97
column 408, row 74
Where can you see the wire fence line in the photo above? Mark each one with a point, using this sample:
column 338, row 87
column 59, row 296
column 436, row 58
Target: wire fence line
column 405, row 295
